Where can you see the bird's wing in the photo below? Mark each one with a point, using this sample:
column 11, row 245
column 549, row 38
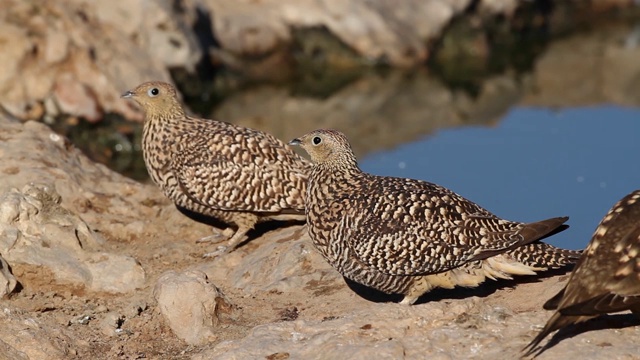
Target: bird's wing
column 596, row 287
column 627, row 272
column 602, row 304
column 554, row 302
column 257, row 177
column 416, row 228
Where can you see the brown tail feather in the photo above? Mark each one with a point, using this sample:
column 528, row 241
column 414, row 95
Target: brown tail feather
column 537, row 230
column 543, row 255
column 527, row 234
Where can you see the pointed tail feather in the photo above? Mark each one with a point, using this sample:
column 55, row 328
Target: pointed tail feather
column 556, row 322
column 528, row 234
column 544, row 256
column 554, row 302
column 541, row 229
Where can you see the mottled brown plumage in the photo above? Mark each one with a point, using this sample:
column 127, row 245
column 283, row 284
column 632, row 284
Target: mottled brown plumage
column 238, row 175
column 409, row 236
column 607, row 276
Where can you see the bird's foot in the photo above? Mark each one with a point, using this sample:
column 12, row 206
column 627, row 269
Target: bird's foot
column 408, row 300
column 218, row 236
column 220, row 250
column 233, row 242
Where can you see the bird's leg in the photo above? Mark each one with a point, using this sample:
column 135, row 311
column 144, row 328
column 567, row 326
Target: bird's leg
column 423, row 284
column 218, row 236
column 245, row 222
column 420, row 286
column 409, row 300
column 237, row 238
column 288, row 217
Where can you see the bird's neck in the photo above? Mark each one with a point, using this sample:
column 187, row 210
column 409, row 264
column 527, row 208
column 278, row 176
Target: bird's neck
column 334, row 178
column 165, row 113
column 338, row 160
column 158, row 135
column 168, row 120
column 156, row 128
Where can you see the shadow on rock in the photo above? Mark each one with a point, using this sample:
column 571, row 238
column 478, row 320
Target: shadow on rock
column 488, row 288
column 258, row 231
column 371, row 294
column 615, row 321
column 439, row 294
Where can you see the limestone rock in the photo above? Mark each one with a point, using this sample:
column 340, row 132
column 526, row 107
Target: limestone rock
column 74, row 97
column 109, row 323
column 458, row 329
column 191, row 305
column 84, row 53
column 114, row 273
column 285, row 262
column 8, row 282
column 25, row 337
column 506, row 7
column 394, row 332
column 36, row 230
column 397, row 33
column 111, row 203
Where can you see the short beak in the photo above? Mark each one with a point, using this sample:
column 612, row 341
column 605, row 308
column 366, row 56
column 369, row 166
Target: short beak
column 128, row 94
column 295, row 142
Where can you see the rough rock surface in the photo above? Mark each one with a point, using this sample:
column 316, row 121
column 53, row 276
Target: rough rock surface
column 26, row 337
column 76, row 57
column 191, row 305
column 395, row 32
column 37, row 231
column 285, row 263
column 33, row 153
column 457, row 330
column 8, row 282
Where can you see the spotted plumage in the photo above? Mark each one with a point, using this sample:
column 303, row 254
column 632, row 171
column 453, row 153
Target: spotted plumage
column 607, row 276
column 409, row 236
column 238, row 175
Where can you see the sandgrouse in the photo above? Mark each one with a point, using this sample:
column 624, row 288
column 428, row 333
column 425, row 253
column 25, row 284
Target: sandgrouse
column 237, row 175
column 409, row 236
column 607, row 276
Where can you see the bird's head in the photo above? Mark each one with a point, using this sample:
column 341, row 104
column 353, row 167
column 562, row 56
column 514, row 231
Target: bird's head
column 157, row 99
column 326, row 147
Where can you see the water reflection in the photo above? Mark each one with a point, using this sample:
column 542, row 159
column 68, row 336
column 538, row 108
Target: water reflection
column 535, row 164
column 376, row 111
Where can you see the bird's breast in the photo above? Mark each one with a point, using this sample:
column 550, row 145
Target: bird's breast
column 157, row 149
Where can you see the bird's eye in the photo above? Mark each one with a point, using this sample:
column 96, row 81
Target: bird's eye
column 317, row 140
column 153, row 92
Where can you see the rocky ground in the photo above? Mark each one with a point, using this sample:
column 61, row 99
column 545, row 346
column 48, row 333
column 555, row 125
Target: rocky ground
column 103, row 267
column 94, row 265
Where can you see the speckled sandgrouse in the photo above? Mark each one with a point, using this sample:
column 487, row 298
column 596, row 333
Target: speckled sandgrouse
column 238, row 175
column 607, row 276
column 408, row 236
